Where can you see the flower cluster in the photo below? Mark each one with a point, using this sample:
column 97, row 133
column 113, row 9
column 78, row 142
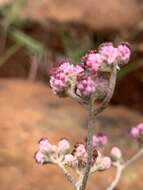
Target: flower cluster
column 137, row 131
column 77, row 158
column 48, row 153
column 99, row 139
column 60, row 77
column 92, row 75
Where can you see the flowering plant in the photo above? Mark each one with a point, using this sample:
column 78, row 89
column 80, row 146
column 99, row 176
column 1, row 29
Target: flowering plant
column 91, row 83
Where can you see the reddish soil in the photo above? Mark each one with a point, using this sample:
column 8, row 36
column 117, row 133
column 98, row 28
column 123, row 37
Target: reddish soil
column 30, row 111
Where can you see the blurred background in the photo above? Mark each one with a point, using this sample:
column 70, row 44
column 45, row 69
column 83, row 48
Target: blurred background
column 34, row 36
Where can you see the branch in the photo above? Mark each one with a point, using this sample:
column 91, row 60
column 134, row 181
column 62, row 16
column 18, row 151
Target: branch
column 89, row 149
column 71, row 94
column 92, row 114
column 67, row 174
column 122, row 167
column 134, row 158
column 119, row 172
column 111, row 88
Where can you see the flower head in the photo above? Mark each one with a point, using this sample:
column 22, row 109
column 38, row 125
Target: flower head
column 140, row 127
column 85, row 87
column 116, row 153
column 70, row 160
column 103, row 163
column 93, row 61
column 80, row 153
column 60, row 77
column 58, row 82
column 99, row 140
column 39, row 157
column 124, row 53
column 137, row 131
column 45, row 146
column 63, row 146
column 108, row 52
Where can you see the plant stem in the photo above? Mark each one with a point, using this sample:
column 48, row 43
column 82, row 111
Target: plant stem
column 67, row 174
column 89, row 148
column 93, row 112
column 135, row 157
column 119, row 172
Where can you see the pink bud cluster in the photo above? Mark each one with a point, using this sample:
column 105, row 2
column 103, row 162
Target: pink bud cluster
column 85, row 87
column 89, row 77
column 47, row 152
column 99, row 139
column 77, row 158
column 107, row 55
column 103, row 163
column 137, row 131
column 60, row 76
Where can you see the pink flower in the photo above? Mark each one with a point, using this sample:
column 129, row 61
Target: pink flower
column 85, row 87
column 66, row 67
column 80, row 152
column 124, row 53
column 99, row 140
column 93, row 61
column 63, row 146
column 78, row 69
column 140, row 128
column 116, row 153
column 58, row 82
column 108, row 52
column 70, row 160
column 45, row 146
column 39, row 157
column 135, row 132
column 103, row 163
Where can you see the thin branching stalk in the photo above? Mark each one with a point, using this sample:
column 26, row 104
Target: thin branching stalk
column 93, row 112
column 121, row 167
column 119, row 172
column 89, row 148
column 67, row 174
column 134, row 158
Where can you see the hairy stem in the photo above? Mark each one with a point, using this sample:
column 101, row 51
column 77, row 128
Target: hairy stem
column 134, row 158
column 89, row 148
column 67, row 174
column 93, row 112
column 119, row 172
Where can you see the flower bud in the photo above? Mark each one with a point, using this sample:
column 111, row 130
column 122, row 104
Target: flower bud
column 103, row 163
column 45, row 146
column 135, row 132
column 116, row 153
column 93, row 61
column 70, row 160
column 140, row 128
column 124, row 53
column 108, row 52
column 99, row 140
column 63, row 146
column 85, row 87
column 39, row 157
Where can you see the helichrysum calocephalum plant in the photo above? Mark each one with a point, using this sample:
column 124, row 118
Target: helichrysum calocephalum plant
column 92, row 84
